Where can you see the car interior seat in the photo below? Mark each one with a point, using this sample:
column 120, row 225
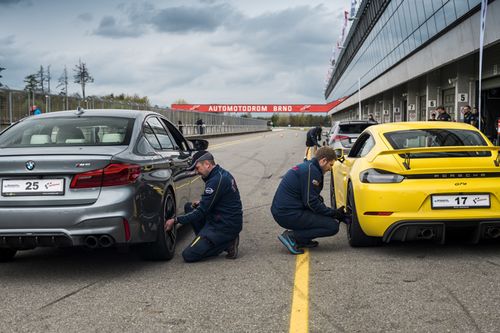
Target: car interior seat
column 70, row 135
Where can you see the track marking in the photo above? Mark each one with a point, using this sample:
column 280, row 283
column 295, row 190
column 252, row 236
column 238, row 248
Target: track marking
column 299, row 317
column 229, row 143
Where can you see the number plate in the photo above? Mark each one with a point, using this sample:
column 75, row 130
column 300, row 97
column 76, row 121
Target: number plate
column 461, row 201
column 11, row 187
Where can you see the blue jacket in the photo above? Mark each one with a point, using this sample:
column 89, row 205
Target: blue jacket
column 300, row 190
column 220, row 206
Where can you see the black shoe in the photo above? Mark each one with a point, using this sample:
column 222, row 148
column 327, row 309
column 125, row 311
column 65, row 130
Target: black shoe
column 310, row 244
column 232, row 250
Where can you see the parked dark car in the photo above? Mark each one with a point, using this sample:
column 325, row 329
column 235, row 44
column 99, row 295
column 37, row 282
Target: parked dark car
column 94, row 178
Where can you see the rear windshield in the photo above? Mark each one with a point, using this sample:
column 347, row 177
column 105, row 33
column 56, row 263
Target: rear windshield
column 352, row 128
column 64, row 131
column 437, row 138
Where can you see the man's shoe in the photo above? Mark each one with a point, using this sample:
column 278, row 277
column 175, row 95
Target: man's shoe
column 289, row 241
column 232, row 250
column 308, row 245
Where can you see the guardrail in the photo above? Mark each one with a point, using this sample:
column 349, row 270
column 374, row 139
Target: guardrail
column 16, row 104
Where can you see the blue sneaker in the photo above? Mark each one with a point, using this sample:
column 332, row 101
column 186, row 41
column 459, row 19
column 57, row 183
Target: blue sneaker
column 289, row 241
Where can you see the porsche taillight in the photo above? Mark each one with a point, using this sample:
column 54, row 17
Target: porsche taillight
column 112, row 175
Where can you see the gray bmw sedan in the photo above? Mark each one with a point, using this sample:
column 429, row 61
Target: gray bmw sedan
column 95, row 178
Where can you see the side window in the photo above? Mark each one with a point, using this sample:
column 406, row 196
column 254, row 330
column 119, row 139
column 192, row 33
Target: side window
column 365, row 149
column 362, row 146
column 161, row 133
column 177, row 136
column 151, row 137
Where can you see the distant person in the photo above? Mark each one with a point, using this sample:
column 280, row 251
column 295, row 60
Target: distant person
column 371, row 118
column 35, row 110
column 312, row 140
column 433, row 117
column 179, row 126
column 443, row 115
column 476, row 115
column 299, row 208
column 200, row 124
column 469, row 117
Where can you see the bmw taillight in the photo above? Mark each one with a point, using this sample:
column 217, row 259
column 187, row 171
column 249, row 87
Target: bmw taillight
column 112, row 175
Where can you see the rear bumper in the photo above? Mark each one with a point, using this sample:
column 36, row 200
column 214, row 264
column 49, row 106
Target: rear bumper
column 436, row 230
column 32, row 226
column 73, row 236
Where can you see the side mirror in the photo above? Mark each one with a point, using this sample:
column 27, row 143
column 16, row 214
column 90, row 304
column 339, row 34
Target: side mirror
column 340, row 155
column 199, row 144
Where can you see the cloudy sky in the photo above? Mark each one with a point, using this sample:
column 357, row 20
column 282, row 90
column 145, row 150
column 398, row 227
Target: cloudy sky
column 204, row 51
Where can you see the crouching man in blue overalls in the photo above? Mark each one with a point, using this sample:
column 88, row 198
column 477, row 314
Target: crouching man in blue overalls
column 217, row 218
column 298, row 206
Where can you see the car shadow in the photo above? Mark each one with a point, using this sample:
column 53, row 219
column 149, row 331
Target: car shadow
column 82, row 263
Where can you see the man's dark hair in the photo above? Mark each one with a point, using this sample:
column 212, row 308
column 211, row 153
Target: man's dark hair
column 440, row 108
column 326, row 152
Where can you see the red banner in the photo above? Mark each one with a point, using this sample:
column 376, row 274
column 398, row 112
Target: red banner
column 258, row 107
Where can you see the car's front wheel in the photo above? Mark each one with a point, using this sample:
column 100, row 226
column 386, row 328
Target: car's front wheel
column 355, row 235
column 164, row 246
column 7, row 254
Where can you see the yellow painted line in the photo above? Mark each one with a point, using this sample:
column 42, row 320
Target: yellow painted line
column 299, row 318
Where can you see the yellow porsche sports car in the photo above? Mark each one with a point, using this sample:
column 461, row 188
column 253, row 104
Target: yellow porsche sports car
column 416, row 180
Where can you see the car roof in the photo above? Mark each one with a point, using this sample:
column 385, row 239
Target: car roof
column 344, row 122
column 413, row 125
column 99, row 113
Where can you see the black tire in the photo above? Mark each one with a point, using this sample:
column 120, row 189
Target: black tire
column 7, row 254
column 164, row 247
column 355, row 235
column 333, row 202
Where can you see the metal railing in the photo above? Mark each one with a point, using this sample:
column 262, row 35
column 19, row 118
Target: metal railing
column 16, row 104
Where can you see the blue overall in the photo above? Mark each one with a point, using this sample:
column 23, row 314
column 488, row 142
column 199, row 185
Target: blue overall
column 218, row 220
column 298, row 206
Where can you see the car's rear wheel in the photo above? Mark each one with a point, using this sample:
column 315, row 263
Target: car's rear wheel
column 7, row 254
column 164, row 246
column 355, row 235
column 333, row 202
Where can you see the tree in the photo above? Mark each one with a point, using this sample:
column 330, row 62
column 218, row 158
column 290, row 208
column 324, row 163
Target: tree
column 82, row 76
column 63, row 83
column 128, row 98
column 1, row 70
column 180, row 101
column 48, row 79
column 32, row 82
column 41, row 79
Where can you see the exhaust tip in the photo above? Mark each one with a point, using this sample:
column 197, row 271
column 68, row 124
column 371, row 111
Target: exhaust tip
column 426, row 233
column 91, row 242
column 105, row 241
column 493, row 232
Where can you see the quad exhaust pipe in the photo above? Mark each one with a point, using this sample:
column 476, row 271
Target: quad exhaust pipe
column 105, row 241
column 93, row 242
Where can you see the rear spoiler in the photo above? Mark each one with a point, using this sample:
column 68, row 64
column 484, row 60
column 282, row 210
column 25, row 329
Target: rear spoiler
column 451, row 149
